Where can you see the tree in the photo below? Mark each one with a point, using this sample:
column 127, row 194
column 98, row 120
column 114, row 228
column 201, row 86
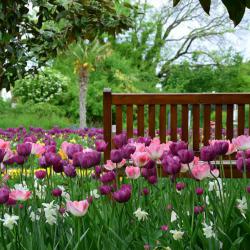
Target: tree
column 29, row 38
column 153, row 42
column 235, row 8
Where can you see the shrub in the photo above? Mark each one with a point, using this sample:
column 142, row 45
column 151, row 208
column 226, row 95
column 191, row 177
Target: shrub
column 47, row 86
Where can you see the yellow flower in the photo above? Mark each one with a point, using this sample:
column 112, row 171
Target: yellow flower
column 72, row 140
column 62, row 154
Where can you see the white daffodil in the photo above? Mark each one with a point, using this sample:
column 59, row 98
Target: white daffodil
column 140, row 214
column 21, row 186
column 208, row 230
column 177, row 235
column 242, row 205
column 51, row 211
column 174, row 216
column 34, row 217
column 9, row 220
column 94, row 193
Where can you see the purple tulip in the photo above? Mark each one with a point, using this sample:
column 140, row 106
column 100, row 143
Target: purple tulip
column 119, row 140
column 198, row 209
column 248, row 189
column 186, row 156
column 221, row 147
column 145, row 191
column 24, row 149
column 199, row 191
column 105, row 189
column 122, row 195
column 57, row 192
column 177, row 146
column 42, row 162
column 207, row 153
column 116, row 155
column 127, row 150
column 152, row 179
column 108, row 177
column 69, row 170
column 72, row 149
column 180, row 185
column 19, row 159
column 2, row 154
column 171, row 165
column 101, row 145
column 4, row 195
column 40, row 174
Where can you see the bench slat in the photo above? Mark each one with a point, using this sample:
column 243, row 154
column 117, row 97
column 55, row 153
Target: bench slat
column 184, row 123
column 162, row 124
column 151, row 120
column 118, row 119
column 230, row 125
column 173, row 122
column 218, row 121
column 196, row 127
column 140, row 120
column 206, row 124
column 129, row 121
column 241, row 119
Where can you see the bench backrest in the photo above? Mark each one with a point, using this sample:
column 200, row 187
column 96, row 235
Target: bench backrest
column 200, row 104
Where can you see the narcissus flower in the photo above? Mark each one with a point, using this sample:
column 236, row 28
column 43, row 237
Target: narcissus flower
column 9, row 220
column 141, row 214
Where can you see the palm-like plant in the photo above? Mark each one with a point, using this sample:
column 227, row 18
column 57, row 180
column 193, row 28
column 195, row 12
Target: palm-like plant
column 87, row 56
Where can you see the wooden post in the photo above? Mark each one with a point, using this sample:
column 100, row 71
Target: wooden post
column 107, row 120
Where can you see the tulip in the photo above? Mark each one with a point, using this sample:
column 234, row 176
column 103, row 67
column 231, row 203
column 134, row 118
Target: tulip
column 40, row 174
column 108, row 177
column 4, row 195
column 77, row 208
column 242, row 142
column 152, row 179
column 116, row 155
column 42, row 162
column 72, row 149
column 57, row 192
column 221, row 147
column 164, row 227
column 105, row 189
column 127, row 151
column 203, row 170
column 207, row 153
column 2, row 153
column 248, row 189
column 180, row 185
column 132, row 172
column 119, row 140
column 101, row 145
column 20, row 195
column 171, row 165
column 140, row 158
column 186, row 156
column 69, row 170
column 123, row 195
column 155, row 151
column 176, row 146
column 24, row 149
column 198, row 209
column 199, row 191
column 145, row 191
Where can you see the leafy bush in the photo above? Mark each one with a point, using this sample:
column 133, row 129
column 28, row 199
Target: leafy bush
column 47, row 86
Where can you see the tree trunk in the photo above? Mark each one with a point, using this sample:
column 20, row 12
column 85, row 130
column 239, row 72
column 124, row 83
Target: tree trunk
column 83, row 85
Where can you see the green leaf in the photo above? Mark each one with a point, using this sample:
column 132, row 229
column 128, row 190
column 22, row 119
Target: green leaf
column 206, row 5
column 236, row 10
column 175, row 2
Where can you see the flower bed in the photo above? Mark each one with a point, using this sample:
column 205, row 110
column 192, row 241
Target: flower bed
column 57, row 193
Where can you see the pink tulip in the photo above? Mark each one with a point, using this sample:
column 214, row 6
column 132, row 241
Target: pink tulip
column 242, row 142
column 8, row 154
column 4, row 144
column 132, row 172
column 110, row 165
column 64, row 146
column 77, row 208
column 140, row 147
column 140, row 158
column 184, row 167
column 155, row 150
column 37, row 149
column 201, row 170
column 20, row 195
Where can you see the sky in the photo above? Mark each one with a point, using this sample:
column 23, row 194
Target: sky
column 240, row 40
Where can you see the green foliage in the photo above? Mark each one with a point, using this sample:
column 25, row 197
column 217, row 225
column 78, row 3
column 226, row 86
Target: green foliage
column 38, row 115
column 115, row 72
column 46, row 86
column 39, row 35
column 235, row 8
column 228, row 77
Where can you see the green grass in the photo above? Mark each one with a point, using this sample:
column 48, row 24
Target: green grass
column 27, row 120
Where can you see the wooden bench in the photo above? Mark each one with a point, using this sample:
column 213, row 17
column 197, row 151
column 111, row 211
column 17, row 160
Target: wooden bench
column 201, row 105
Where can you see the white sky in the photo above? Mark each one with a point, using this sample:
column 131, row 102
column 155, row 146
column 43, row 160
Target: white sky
column 240, row 40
